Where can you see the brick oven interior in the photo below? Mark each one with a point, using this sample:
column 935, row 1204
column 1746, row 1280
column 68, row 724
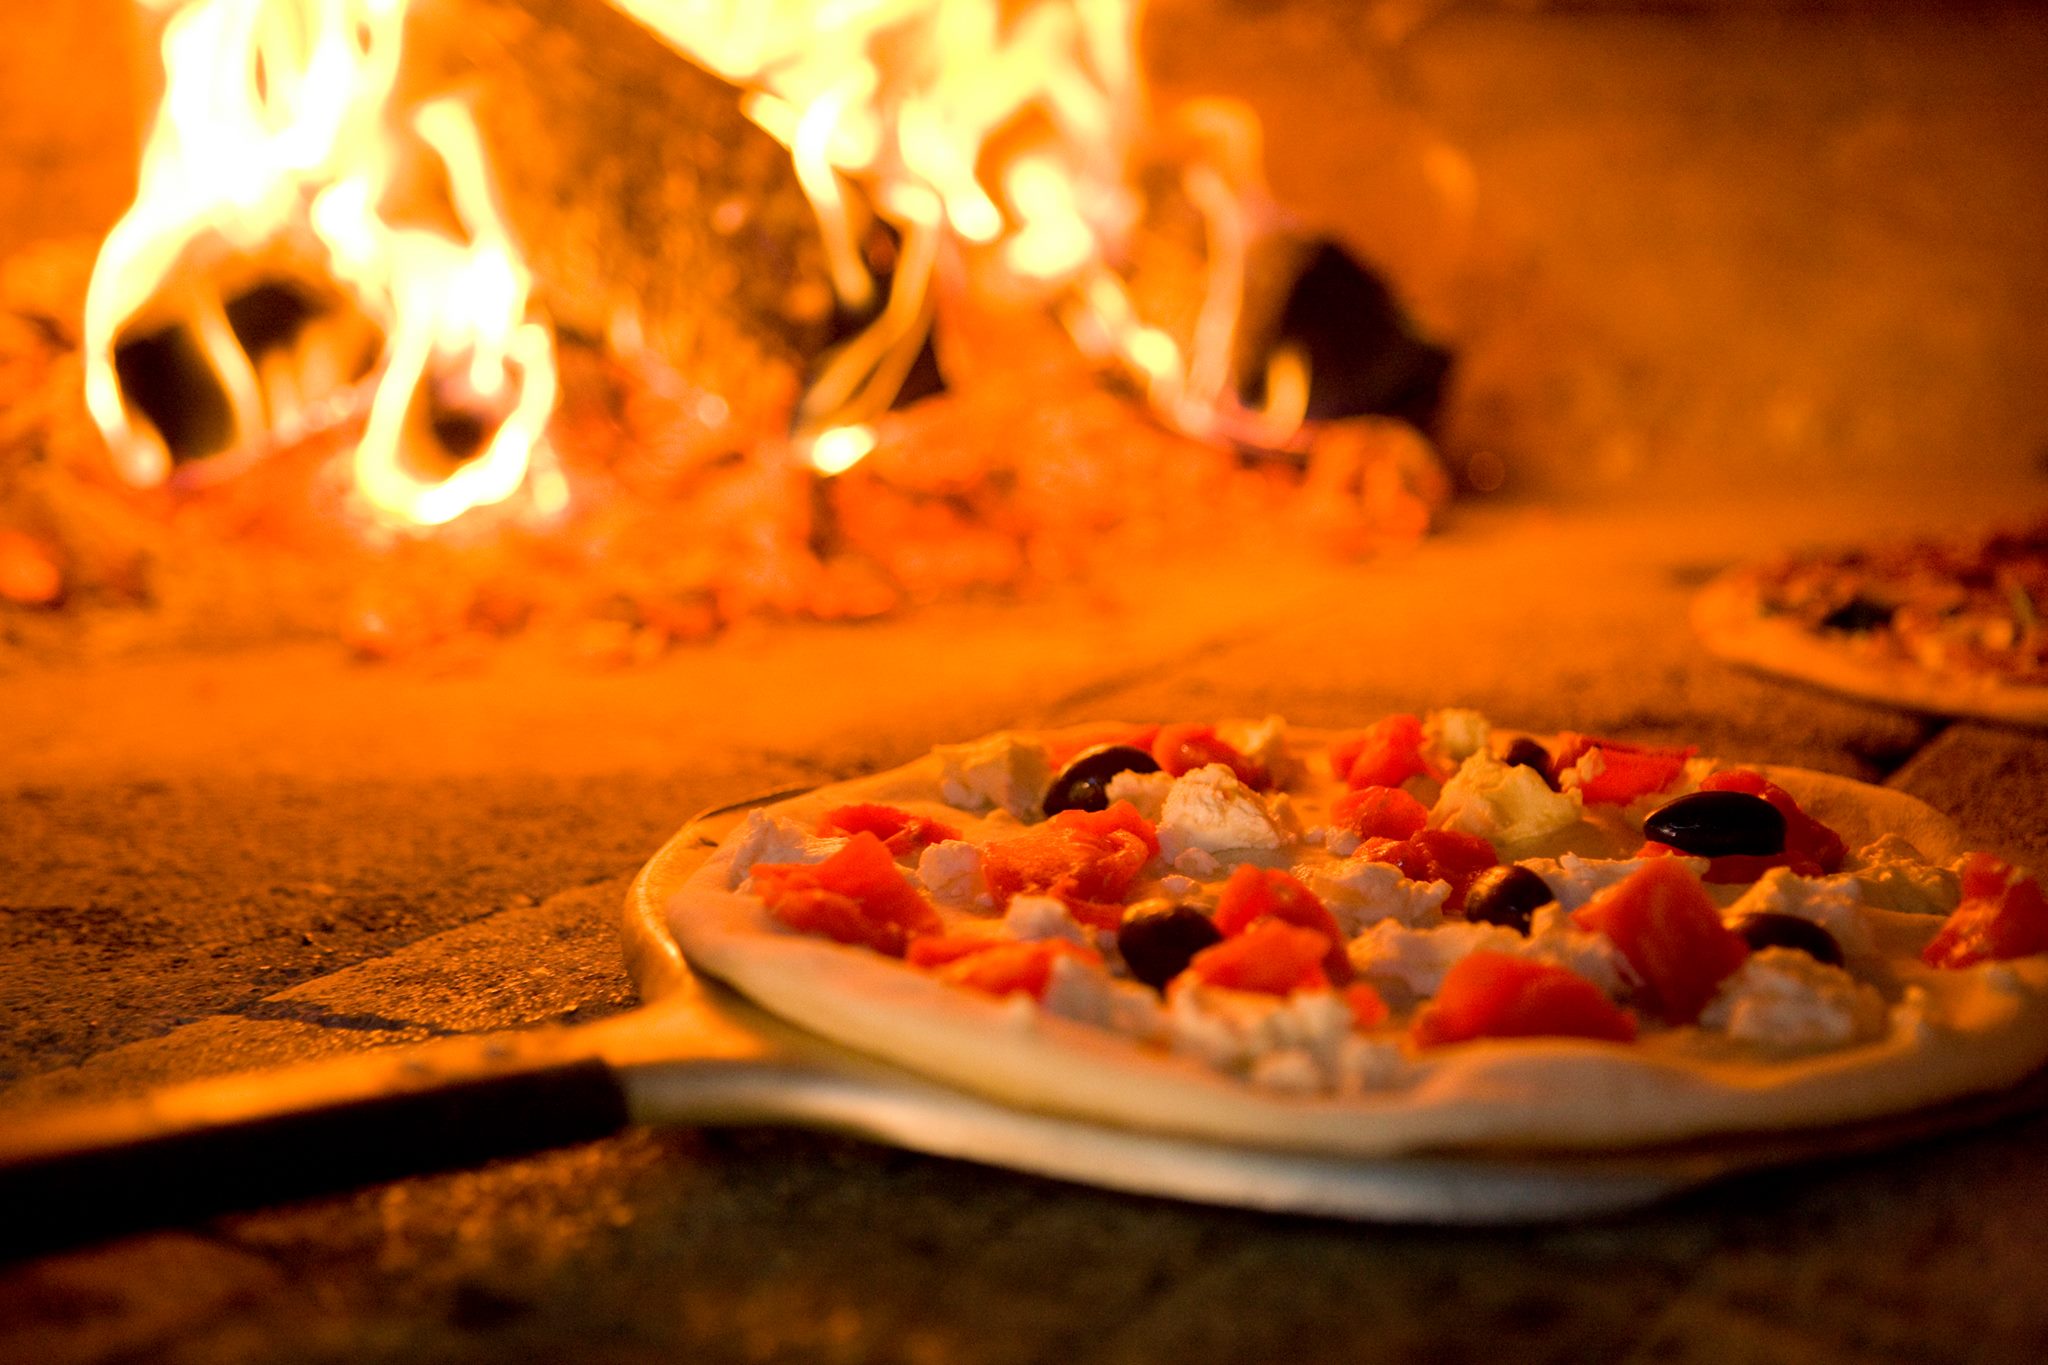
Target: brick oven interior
column 1722, row 279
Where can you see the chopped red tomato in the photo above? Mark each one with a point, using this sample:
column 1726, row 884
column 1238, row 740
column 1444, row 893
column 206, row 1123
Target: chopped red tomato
column 1100, row 824
column 899, row 830
column 1436, row 855
column 1013, row 968
column 1256, row 893
column 1368, row 1011
column 1063, row 747
column 1384, row 754
column 936, row 950
column 1271, row 957
column 1087, row 862
column 1665, row 924
column 1379, row 813
column 2003, row 915
column 1184, row 748
column 1626, row 771
column 858, row 895
column 1487, row 994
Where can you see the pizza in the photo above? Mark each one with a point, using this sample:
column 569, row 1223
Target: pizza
column 1423, row 933
column 1955, row 629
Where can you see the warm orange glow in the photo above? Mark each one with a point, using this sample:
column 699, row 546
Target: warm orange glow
column 273, row 154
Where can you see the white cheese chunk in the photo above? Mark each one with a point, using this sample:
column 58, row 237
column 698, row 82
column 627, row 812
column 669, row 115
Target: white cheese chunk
column 1086, row 993
column 1361, row 892
column 1239, row 1030
column 950, row 872
column 1783, row 1000
column 1146, row 791
column 1554, row 939
column 1891, row 874
column 1575, row 880
column 1031, row 918
column 1264, row 742
column 1002, row 770
column 1210, row 810
column 1508, row 805
column 1455, row 733
column 1830, row 902
column 1411, row 963
column 766, row 838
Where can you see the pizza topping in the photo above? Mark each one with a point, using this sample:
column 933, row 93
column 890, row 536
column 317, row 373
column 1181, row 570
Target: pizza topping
column 1147, row 792
column 1255, row 894
column 1360, row 891
column 1086, row 860
column 1767, row 930
column 1506, row 896
column 1610, row 772
column 1890, row 874
column 1410, row 964
column 1031, row 917
column 1213, row 811
column 1436, row 855
column 1524, row 752
column 1496, row 995
column 950, row 872
column 1784, row 1000
column 1379, row 813
column 1003, row 771
column 1011, row 968
column 1859, row 615
column 1811, row 848
column 1305, row 1041
column 767, row 838
column 1712, row 824
column 1454, row 734
column 1271, row 957
column 1665, row 924
column 2003, row 915
column 1182, row 749
column 900, row 831
column 1575, row 880
column 1511, row 807
column 858, row 896
column 1086, row 993
column 1384, row 754
column 1158, row 942
column 1083, row 784
column 1823, row 902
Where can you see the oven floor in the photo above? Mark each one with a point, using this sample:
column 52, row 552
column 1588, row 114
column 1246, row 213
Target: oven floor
column 215, row 862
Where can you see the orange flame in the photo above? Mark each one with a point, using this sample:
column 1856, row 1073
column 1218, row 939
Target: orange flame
column 275, row 148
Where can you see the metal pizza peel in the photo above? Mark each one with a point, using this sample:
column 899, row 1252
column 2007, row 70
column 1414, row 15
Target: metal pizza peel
column 697, row 1054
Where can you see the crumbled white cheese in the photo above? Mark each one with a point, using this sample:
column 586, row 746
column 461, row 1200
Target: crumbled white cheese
column 1238, row 1030
column 1361, row 892
column 1554, row 939
column 1575, row 880
column 1370, row 1064
column 1508, row 805
column 1829, row 902
column 1590, row 765
column 1086, row 993
column 1146, row 791
column 1002, row 770
column 1413, row 961
column 1454, row 734
column 1891, row 874
column 1784, row 1000
column 1210, row 810
column 1040, row 917
column 950, row 872
column 1197, row 863
column 766, row 838
column 1177, row 887
column 1264, row 742
column 1288, row 1070
column 1341, row 843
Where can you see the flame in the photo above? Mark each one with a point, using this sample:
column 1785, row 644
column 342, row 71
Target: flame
column 273, row 154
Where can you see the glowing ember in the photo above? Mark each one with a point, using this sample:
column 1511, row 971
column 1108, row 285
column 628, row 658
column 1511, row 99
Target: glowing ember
column 260, row 283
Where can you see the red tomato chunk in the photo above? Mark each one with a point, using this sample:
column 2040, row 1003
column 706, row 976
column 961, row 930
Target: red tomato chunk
column 1498, row 995
column 1010, row 968
column 2003, row 915
column 1436, row 855
column 1271, row 957
column 1254, row 893
column 899, row 830
column 1184, row 748
column 1087, row 861
column 1384, row 754
column 1668, row 928
column 858, row 895
column 1379, row 813
column 1626, row 770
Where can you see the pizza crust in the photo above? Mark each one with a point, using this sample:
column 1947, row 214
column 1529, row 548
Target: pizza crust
column 1728, row 618
column 1506, row 1093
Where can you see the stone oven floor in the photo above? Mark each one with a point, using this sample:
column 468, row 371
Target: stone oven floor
column 213, row 863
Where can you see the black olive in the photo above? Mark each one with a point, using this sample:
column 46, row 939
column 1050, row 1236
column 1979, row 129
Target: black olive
column 1506, row 895
column 1156, row 944
column 1527, row 753
column 1768, row 930
column 1084, row 783
column 1712, row 824
column 1858, row 615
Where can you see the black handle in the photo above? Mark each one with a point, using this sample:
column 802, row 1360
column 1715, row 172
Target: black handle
column 73, row 1176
